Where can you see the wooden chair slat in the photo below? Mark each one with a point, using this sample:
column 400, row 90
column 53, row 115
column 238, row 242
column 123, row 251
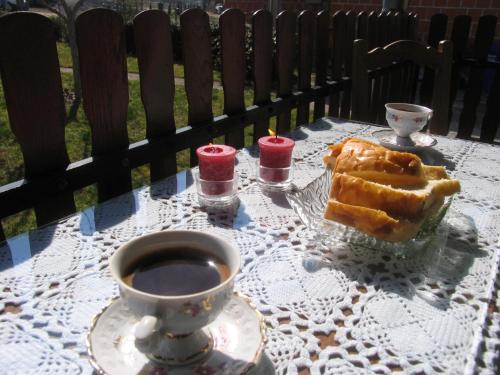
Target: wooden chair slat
column 491, row 118
column 400, row 51
column 439, row 123
column 232, row 29
column 412, row 26
column 482, row 42
column 285, row 37
column 372, row 32
column 404, row 49
column 362, row 25
column 350, row 35
column 262, row 43
column 153, row 41
column 400, row 81
column 383, row 98
column 459, row 38
column 322, row 53
column 103, row 66
column 374, row 22
column 414, row 70
column 403, row 20
column 437, row 32
column 375, row 99
column 383, row 29
column 306, row 41
column 380, row 85
column 396, row 82
column 393, row 30
column 339, row 24
column 360, row 102
column 198, row 79
column 31, row 79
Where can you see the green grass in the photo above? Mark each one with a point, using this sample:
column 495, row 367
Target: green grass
column 64, row 55
column 132, row 65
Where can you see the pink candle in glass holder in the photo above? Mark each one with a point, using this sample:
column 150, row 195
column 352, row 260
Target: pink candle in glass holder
column 216, row 163
column 276, row 157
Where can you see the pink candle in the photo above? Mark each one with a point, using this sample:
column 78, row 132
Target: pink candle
column 216, row 163
column 275, row 152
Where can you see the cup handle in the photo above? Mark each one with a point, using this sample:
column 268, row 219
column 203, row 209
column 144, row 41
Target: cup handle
column 145, row 327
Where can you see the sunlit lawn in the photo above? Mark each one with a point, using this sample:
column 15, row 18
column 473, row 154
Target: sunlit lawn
column 132, row 65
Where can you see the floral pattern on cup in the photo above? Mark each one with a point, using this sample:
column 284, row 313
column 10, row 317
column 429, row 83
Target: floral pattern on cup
column 193, row 309
column 406, row 119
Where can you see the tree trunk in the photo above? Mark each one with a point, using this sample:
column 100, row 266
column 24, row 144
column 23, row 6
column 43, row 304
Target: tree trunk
column 76, row 67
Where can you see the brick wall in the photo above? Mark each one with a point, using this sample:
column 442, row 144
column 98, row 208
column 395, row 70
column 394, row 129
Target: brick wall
column 250, row 6
column 424, row 8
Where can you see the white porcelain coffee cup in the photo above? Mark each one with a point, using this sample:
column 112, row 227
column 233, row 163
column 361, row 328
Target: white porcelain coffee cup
column 170, row 328
column 406, row 119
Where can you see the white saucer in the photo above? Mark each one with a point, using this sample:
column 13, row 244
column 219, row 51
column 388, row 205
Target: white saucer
column 388, row 138
column 239, row 335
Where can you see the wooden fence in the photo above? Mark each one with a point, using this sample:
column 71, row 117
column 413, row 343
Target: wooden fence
column 472, row 63
column 34, row 96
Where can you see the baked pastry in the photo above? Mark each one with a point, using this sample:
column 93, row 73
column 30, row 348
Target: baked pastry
column 376, row 223
column 372, row 162
column 386, row 194
column 396, row 202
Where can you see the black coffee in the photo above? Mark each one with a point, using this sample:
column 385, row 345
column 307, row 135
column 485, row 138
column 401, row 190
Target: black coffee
column 176, row 271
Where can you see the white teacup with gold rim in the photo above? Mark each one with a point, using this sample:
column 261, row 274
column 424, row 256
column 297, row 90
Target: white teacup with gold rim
column 175, row 283
column 406, row 119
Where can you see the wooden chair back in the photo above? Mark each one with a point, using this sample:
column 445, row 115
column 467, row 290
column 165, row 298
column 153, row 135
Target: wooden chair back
column 397, row 81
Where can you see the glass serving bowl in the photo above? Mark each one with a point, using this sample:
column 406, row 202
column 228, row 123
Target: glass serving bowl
column 310, row 202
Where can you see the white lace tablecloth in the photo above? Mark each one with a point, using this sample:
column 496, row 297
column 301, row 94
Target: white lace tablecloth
column 358, row 312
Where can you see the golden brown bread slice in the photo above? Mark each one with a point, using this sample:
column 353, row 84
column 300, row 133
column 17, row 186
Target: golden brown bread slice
column 433, row 172
column 370, row 161
column 375, row 163
column 377, row 223
column 373, row 222
column 395, row 202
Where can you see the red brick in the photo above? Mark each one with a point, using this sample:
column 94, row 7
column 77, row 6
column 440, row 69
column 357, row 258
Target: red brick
column 483, row 3
column 427, row 3
column 452, row 13
column 440, row 3
column 475, row 13
column 468, row 3
column 454, row 3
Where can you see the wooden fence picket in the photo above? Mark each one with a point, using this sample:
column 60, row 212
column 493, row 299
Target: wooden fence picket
column 285, row 48
column 198, row 74
column 262, row 45
column 153, row 41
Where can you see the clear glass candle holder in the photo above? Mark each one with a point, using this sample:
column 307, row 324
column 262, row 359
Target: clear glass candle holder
column 274, row 178
column 216, row 193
